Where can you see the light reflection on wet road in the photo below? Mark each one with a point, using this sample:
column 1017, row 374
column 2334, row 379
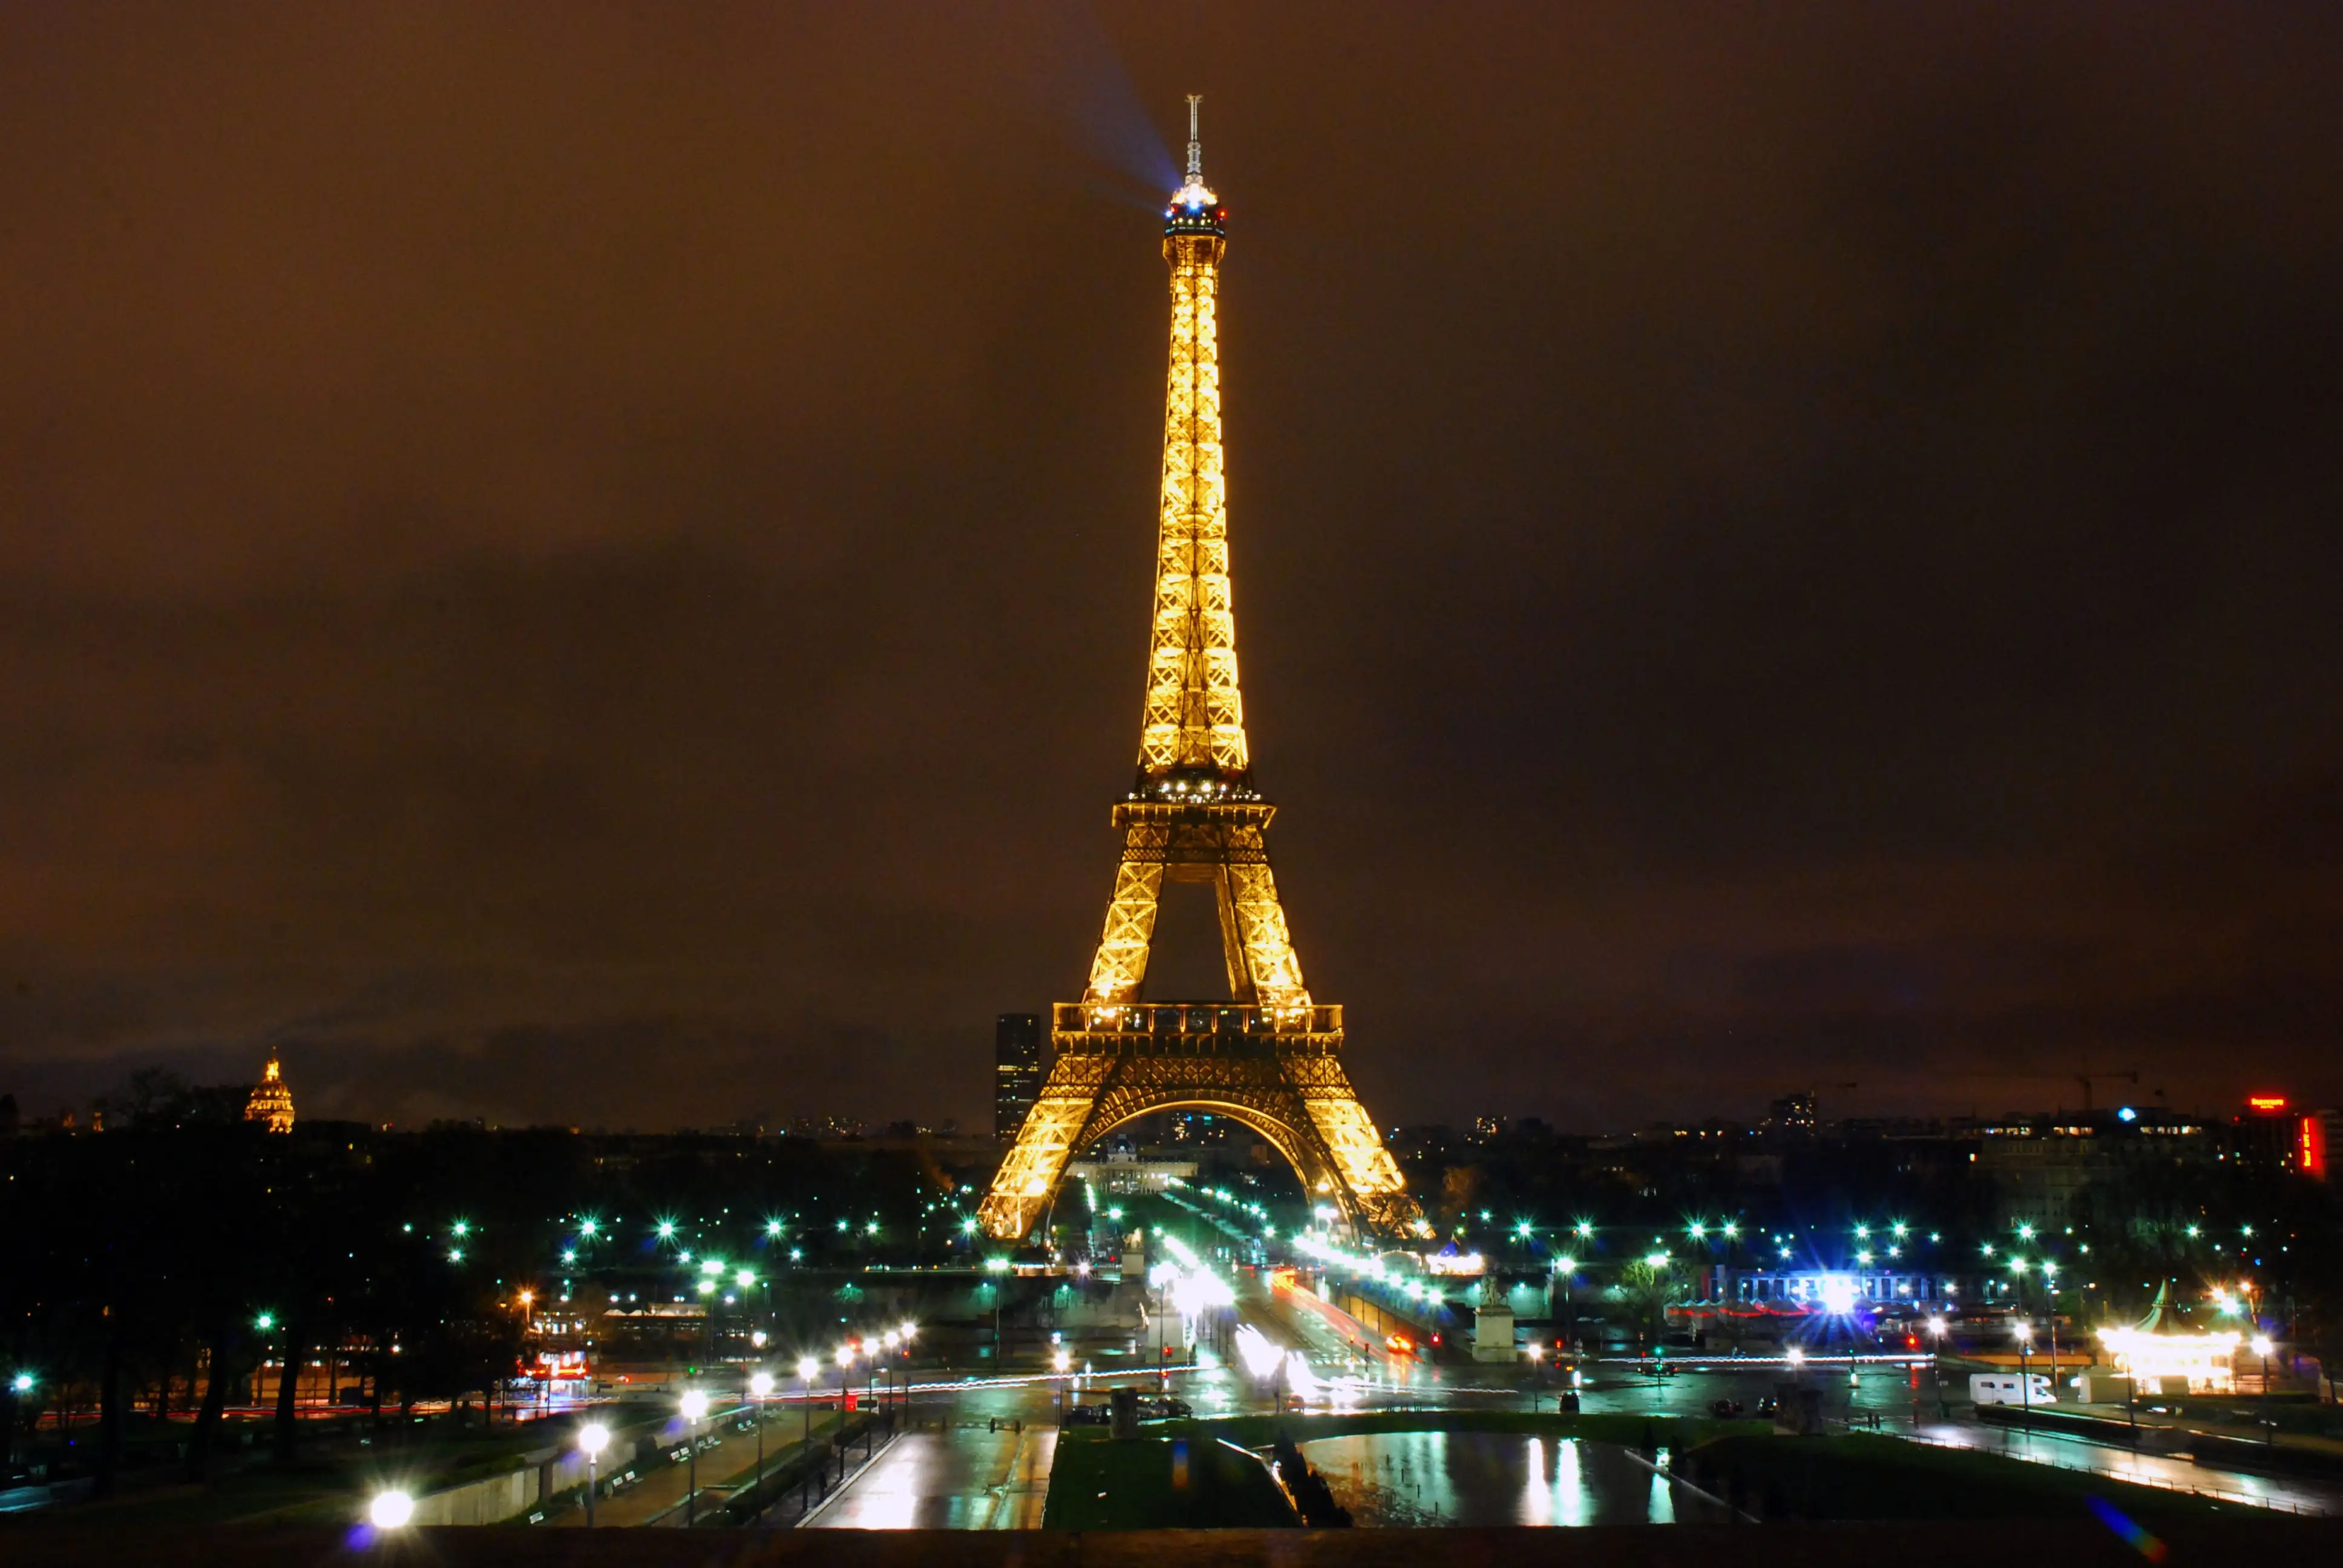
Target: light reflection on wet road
column 965, row 1478
column 2146, row 1469
column 1485, row 1478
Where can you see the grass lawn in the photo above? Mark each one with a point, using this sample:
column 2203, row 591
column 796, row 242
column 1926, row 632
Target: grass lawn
column 1157, row 1483
column 1863, row 1477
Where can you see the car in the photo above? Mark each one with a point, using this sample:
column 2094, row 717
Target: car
column 1725, row 1409
column 1768, row 1407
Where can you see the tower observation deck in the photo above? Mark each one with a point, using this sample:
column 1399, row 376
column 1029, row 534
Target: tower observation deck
column 1269, row 1058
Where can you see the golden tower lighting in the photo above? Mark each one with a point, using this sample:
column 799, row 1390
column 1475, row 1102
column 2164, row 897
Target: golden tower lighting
column 271, row 1101
column 1271, row 1058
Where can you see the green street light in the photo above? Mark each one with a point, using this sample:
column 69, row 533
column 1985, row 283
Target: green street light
column 744, row 1279
column 462, row 1227
column 22, row 1382
column 587, row 1227
column 996, row 1265
column 455, row 1254
column 667, row 1229
column 265, row 1321
column 2025, row 1232
column 772, row 1227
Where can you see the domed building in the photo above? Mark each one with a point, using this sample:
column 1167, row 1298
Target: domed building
column 271, row 1101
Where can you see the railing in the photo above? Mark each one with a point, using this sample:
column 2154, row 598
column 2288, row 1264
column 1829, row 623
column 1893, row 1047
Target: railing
column 1210, row 1019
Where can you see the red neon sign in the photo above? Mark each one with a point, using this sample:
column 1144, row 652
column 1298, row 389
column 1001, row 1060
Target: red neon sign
column 2265, row 1101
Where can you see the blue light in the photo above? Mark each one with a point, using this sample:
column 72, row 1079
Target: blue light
column 2126, row 1114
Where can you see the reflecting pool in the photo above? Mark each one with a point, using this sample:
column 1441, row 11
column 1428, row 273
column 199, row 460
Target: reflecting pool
column 1436, row 1478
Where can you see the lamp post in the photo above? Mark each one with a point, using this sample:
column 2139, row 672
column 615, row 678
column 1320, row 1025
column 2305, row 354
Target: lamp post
column 2050, row 1317
column 695, row 1406
column 760, row 1384
column 1938, row 1328
column 808, row 1368
column 1059, row 1361
column 591, row 1440
column 2262, row 1348
column 2025, row 1375
column 845, row 1366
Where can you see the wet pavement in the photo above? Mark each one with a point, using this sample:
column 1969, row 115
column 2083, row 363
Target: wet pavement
column 1479, row 1478
column 2287, row 1495
column 964, row 1478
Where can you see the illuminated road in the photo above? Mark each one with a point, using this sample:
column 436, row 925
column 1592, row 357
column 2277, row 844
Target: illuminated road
column 2146, row 1469
column 963, row 1479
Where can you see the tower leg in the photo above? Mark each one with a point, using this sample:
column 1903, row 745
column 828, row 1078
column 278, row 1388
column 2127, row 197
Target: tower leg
column 1120, row 967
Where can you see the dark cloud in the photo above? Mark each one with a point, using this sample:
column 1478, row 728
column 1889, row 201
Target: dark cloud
column 588, row 563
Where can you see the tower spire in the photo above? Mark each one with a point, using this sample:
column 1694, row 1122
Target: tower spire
column 1270, row 1057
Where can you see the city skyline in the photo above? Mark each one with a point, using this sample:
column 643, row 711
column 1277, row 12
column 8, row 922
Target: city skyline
column 1777, row 556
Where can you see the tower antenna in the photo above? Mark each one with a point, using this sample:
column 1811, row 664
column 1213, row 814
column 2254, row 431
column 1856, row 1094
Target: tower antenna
column 1195, row 145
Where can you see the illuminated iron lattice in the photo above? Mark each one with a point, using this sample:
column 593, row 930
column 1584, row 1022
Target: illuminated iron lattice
column 1270, row 1059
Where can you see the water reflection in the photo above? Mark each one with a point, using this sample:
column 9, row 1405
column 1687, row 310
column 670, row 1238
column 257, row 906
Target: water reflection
column 1433, row 1478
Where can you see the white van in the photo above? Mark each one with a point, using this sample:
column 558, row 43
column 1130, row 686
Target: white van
column 2008, row 1388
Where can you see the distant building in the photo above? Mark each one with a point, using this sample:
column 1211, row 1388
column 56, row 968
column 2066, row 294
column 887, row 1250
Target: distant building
column 2041, row 1165
column 1016, row 1070
column 2271, row 1135
column 1792, row 1114
column 271, row 1101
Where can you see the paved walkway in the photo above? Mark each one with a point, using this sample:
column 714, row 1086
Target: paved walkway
column 658, row 1497
column 963, row 1479
column 2283, row 1494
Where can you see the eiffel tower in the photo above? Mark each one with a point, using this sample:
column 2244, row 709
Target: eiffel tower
column 1271, row 1058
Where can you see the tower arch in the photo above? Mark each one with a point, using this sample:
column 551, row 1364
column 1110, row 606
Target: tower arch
column 1272, row 1057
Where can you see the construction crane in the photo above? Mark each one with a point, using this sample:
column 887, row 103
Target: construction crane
column 2085, row 1077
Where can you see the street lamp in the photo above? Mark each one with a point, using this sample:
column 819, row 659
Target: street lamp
column 2262, row 1347
column 2024, row 1332
column 1938, row 1328
column 1059, row 1361
column 808, row 1368
column 695, row 1406
column 390, row 1510
column 591, row 1440
column 760, row 1384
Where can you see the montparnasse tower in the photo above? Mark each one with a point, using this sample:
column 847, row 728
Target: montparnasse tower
column 1269, row 1058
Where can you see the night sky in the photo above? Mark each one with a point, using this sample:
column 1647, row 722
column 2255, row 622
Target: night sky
column 590, row 564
